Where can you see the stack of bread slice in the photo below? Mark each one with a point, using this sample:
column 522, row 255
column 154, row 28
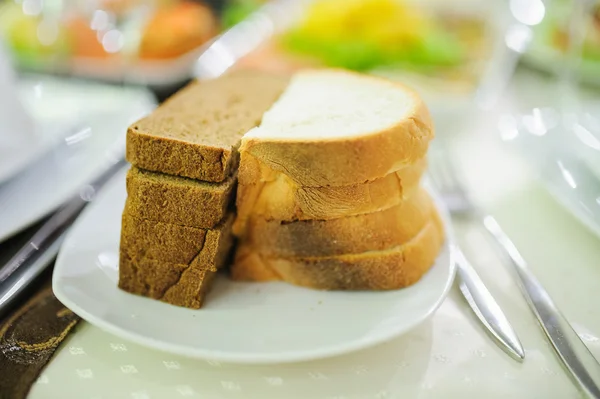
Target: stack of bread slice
column 176, row 225
column 327, row 165
column 329, row 193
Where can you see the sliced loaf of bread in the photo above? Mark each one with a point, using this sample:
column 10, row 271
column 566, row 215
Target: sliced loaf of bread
column 338, row 128
column 393, row 268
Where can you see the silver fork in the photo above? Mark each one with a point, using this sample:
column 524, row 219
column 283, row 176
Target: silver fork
column 471, row 286
column 574, row 354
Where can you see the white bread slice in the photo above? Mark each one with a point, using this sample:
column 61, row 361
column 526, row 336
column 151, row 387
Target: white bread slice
column 284, row 200
column 376, row 231
column 337, row 128
column 375, row 270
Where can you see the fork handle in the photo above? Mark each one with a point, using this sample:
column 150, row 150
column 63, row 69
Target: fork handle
column 485, row 307
column 571, row 350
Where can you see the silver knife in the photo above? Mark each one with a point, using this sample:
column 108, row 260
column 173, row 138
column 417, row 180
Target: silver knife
column 485, row 306
column 574, row 354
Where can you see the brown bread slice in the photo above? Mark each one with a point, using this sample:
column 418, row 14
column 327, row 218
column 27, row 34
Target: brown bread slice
column 376, row 231
column 152, row 279
column 178, row 200
column 164, row 242
column 147, row 239
column 191, row 287
column 374, row 270
column 283, row 200
column 197, row 131
column 178, row 284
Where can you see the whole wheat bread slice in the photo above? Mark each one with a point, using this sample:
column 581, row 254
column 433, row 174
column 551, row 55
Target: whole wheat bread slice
column 178, row 200
column 176, row 283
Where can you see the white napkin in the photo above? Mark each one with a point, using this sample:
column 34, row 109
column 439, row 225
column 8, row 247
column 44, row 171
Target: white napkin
column 17, row 127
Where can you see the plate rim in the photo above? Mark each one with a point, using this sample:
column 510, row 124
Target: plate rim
column 256, row 358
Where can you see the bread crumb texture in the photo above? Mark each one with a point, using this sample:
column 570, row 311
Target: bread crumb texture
column 197, row 131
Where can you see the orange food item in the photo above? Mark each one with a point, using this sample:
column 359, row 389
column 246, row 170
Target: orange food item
column 84, row 40
column 174, row 31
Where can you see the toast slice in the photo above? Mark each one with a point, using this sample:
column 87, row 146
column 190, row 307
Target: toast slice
column 197, row 131
column 337, row 128
column 376, row 231
column 394, row 268
column 178, row 200
column 284, row 200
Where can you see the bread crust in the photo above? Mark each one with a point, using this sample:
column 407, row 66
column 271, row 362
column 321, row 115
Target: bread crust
column 376, row 231
column 344, row 161
column 391, row 269
column 283, row 200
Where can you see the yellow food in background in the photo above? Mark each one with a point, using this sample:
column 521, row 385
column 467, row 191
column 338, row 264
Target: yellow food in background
column 365, row 34
column 378, row 21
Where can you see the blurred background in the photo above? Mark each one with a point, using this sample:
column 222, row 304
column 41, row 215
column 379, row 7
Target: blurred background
column 78, row 71
column 440, row 45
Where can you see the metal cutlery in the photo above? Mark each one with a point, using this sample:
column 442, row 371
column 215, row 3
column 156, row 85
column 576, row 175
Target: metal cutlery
column 34, row 256
column 471, row 286
column 574, row 354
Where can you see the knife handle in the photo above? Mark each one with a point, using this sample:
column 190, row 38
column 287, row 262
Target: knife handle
column 574, row 354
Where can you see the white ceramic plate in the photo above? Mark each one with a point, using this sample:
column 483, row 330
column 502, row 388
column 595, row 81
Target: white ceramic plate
column 102, row 112
column 22, row 138
column 15, row 158
column 240, row 322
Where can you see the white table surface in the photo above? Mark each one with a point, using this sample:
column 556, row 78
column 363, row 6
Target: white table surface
column 448, row 356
